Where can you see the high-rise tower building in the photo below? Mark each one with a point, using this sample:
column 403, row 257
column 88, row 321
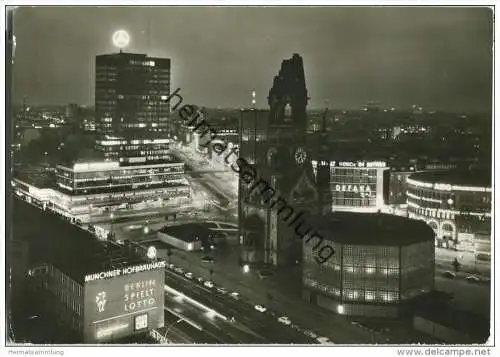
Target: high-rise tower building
column 282, row 163
column 132, row 112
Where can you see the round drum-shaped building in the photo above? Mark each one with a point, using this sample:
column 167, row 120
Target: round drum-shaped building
column 380, row 263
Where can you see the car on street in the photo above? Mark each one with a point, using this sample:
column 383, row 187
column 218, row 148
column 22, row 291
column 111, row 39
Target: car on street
column 473, row 279
column 324, row 340
column 207, row 259
column 235, row 295
column 189, row 275
column 221, row 290
column 311, row 334
column 260, row 308
column 284, row 320
column 263, row 274
column 179, row 270
column 171, row 266
column 208, row 284
column 449, row 274
column 357, row 324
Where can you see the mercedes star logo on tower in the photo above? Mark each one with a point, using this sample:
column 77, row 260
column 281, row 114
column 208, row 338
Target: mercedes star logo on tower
column 121, row 39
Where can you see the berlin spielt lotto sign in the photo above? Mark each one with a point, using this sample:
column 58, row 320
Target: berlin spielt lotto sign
column 121, row 39
column 137, row 296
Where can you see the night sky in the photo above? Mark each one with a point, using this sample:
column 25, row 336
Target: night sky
column 440, row 58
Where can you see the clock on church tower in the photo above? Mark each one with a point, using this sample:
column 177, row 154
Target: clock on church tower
column 300, row 156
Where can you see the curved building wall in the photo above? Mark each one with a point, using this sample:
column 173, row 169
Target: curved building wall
column 370, row 280
column 454, row 212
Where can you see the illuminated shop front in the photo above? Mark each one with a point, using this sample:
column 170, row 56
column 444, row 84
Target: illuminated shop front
column 84, row 205
column 381, row 263
column 87, row 188
column 98, row 177
column 355, row 186
column 455, row 204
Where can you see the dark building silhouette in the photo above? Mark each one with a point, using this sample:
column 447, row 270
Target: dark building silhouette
column 83, row 289
column 253, row 134
column 132, row 112
column 323, row 168
column 74, row 117
column 283, row 186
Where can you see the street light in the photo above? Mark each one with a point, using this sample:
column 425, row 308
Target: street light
column 170, row 327
column 246, row 268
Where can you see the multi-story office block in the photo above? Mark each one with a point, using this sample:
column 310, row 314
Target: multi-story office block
column 132, row 110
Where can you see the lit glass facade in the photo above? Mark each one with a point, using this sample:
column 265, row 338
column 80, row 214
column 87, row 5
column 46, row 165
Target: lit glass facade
column 87, row 187
column 125, row 178
column 368, row 279
column 101, row 185
column 132, row 112
column 355, row 186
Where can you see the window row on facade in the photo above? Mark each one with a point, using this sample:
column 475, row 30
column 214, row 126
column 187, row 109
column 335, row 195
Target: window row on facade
column 372, row 295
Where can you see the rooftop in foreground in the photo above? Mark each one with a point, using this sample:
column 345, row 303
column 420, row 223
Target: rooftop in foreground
column 464, row 321
column 67, row 247
column 38, row 177
column 371, row 229
column 187, row 232
column 474, row 177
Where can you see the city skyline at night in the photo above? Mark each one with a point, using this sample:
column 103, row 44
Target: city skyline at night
column 250, row 176
column 439, row 58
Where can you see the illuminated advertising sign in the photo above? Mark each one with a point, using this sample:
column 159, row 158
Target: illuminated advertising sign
column 360, row 164
column 141, row 322
column 121, row 39
column 120, row 302
column 442, row 187
column 353, row 164
column 353, row 188
column 125, row 271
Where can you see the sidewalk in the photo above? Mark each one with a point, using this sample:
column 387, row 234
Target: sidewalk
column 469, row 265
